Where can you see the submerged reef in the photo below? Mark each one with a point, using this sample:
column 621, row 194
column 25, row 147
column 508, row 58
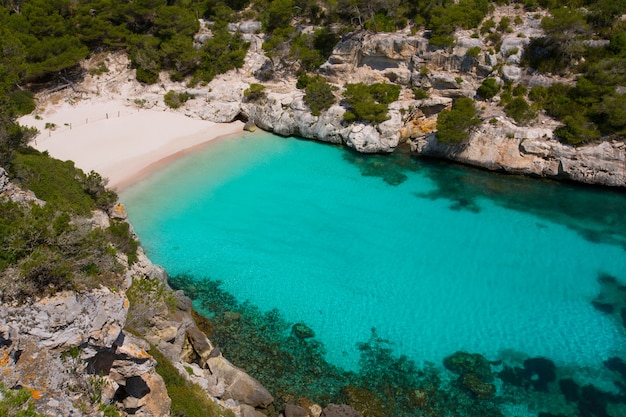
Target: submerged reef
column 288, row 360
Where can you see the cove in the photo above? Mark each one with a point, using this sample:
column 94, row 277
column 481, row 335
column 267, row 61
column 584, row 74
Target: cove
column 436, row 257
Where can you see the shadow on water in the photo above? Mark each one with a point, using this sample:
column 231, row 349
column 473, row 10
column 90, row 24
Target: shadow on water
column 288, row 360
column 597, row 213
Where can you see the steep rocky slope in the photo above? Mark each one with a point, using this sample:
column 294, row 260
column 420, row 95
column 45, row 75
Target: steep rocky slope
column 74, row 353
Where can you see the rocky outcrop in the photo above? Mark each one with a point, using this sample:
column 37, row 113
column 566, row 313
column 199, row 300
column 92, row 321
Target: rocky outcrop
column 287, row 115
column 532, row 151
column 71, row 352
column 12, row 192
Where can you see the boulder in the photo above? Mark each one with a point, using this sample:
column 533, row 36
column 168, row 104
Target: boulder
column 238, row 385
column 292, row 410
column 443, row 81
column 249, row 411
column 512, row 73
column 156, row 402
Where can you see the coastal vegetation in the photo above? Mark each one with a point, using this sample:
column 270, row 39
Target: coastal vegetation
column 17, row 402
column 454, row 125
column 319, row 94
column 369, row 103
column 43, row 42
column 52, row 246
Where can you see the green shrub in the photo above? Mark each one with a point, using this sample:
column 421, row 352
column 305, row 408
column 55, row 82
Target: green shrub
column 519, row 90
column 505, row 24
column 576, row 131
column 512, row 52
column 519, row 110
column 123, row 239
column 369, row 103
column 148, row 298
column 489, row 88
column 420, row 94
column 47, row 249
column 16, row 403
column 473, row 52
column 318, row 95
column 54, row 181
column 255, row 93
column 175, row 100
column 453, row 126
column 146, row 76
column 487, row 26
column 188, row 399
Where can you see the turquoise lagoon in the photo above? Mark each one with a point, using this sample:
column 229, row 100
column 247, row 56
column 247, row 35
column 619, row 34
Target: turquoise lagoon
column 436, row 257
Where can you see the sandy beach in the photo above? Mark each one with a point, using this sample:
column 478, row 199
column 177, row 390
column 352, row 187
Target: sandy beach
column 120, row 142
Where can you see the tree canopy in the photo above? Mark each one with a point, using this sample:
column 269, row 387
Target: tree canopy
column 453, row 126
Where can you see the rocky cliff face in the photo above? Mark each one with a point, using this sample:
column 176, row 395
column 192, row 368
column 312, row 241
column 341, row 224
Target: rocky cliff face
column 73, row 353
column 532, row 151
column 446, row 73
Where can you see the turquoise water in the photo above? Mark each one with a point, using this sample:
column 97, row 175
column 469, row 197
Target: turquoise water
column 437, row 258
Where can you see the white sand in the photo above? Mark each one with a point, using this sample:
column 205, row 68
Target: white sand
column 120, row 142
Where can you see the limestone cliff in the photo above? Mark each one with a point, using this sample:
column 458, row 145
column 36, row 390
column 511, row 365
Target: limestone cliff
column 531, row 151
column 445, row 73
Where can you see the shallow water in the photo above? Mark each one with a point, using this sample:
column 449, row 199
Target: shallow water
column 438, row 258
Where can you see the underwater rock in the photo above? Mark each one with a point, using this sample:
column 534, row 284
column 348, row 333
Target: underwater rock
column 302, row 331
column 593, row 402
column 603, row 307
column 478, row 388
column 618, row 365
column 365, row 402
column 540, row 372
column 469, row 363
column 570, row 389
column 343, row 410
column 623, row 314
column 419, row 397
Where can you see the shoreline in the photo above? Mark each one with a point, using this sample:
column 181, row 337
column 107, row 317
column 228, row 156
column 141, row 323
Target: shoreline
column 120, row 142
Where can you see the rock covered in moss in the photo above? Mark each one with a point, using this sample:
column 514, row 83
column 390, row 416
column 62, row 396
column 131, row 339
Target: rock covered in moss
column 480, row 389
column 302, row 331
column 469, row 363
column 365, row 402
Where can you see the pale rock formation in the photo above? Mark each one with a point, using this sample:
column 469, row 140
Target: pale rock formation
column 512, row 73
column 238, row 385
column 287, row 115
column 532, row 151
column 76, row 340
